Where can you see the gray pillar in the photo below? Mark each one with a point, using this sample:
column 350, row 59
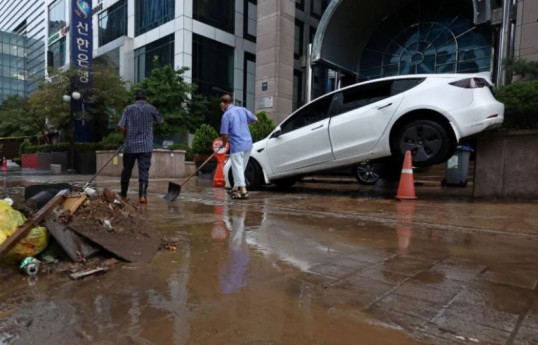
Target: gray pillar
column 274, row 57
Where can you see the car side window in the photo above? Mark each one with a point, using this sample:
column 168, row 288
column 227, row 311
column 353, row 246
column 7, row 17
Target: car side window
column 311, row 113
column 402, row 85
column 362, row 95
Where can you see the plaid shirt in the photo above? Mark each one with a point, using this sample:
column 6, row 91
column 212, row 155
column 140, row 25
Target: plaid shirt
column 138, row 120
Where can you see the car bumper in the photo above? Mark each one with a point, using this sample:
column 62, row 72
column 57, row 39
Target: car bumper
column 478, row 118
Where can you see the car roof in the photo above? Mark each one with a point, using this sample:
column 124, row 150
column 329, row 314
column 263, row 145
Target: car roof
column 485, row 75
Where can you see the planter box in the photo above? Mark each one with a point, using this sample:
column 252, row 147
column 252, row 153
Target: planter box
column 42, row 161
column 506, row 165
column 164, row 164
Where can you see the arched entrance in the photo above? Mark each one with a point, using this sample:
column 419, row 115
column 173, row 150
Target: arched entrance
column 428, row 38
column 366, row 40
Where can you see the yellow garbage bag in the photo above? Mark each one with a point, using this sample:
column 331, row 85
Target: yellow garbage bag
column 34, row 243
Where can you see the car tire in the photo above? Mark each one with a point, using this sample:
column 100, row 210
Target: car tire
column 253, row 175
column 427, row 140
column 366, row 173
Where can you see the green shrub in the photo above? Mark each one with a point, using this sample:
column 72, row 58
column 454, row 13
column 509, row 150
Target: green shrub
column 521, row 105
column 187, row 148
column 23, row 147
column 112, row 141
column 261, row 128
column 203, row 139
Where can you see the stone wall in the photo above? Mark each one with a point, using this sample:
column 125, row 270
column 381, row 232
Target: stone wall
column 507, row 165
column 164, row 164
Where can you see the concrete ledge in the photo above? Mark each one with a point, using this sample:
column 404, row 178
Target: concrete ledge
column 506, row 165
column 164, row 164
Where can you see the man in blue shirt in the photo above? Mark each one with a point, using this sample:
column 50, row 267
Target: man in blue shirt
column 234, row 128
column 136, row 124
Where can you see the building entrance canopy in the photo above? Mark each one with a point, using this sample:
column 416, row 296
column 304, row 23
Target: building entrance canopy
column 395, row 37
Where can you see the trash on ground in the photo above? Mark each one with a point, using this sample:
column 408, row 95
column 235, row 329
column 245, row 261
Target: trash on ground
column 30, row 266
column 93, row 231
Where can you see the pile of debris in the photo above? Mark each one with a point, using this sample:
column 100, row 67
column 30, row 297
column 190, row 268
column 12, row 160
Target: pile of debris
column 91, row 230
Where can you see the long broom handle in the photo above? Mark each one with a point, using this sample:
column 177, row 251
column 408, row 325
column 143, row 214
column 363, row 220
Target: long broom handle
column 104, row 166
column 199, row 168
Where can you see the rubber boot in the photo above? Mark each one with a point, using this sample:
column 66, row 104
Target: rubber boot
column 123, row 192
column 142, row 192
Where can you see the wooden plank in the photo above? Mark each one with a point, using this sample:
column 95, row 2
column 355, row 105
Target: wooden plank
column 77, row 203
column 69, row 202
column 79, row 275
column 24, row 229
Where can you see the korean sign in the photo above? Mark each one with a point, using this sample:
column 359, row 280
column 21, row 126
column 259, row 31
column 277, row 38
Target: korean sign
column 81, row 42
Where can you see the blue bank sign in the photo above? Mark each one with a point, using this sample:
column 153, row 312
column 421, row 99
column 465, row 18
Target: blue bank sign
column 81, row 41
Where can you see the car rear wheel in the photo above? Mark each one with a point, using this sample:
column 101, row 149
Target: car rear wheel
column 427, row 140
column 366, row 173
column 253, row 175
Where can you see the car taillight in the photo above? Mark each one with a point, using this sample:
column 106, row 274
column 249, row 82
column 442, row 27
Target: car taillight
column 471, row 83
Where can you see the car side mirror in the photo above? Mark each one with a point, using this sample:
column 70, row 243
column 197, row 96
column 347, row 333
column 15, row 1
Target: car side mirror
column 276, row 133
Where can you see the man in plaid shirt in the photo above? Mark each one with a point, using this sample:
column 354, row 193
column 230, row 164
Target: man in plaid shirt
column 136, row 124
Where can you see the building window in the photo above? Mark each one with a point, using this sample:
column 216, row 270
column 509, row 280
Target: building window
column 299, row 41
column 298, row 96
column 158, row 53
column 152, row 13
column 212, row 65
column 113, row 22
column 217, row 13
column 56, row 17
column 299, row 4
column 56, row 54
column 250, row 20
column 249, row 81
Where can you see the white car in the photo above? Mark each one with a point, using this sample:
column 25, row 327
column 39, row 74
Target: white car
column 425, row 114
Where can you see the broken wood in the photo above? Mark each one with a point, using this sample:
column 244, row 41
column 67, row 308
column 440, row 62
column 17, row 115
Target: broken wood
column 79, row 275
column 31, row 223
column 77, row 203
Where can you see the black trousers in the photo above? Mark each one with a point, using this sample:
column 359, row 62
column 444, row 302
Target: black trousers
column 144, row 163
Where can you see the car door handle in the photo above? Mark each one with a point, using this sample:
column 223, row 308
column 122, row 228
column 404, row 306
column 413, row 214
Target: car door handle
column 385, row 106
column 318, row 127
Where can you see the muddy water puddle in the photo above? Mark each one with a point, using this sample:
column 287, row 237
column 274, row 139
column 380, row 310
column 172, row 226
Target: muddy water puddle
column 289, row 270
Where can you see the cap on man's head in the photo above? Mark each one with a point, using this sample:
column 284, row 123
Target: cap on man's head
column 141, row 93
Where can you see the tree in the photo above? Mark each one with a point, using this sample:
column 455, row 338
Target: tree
column 178, row 102
column 106, row 99
column 18, row 118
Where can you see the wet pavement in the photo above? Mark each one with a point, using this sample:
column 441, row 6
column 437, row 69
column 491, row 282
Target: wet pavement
column 322, row 263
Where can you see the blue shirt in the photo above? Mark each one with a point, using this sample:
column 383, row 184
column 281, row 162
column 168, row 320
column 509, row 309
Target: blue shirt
column 138, row 121
column 234, row 123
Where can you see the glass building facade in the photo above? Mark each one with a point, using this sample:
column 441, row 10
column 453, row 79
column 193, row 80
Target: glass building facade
column 427, row 38
column 157, row 53
column 150, row 14
column 13, row 65
column 113, row 22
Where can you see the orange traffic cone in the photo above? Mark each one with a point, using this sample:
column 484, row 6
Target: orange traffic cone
column 218, row 178
column 406, row 188
column 4, row 164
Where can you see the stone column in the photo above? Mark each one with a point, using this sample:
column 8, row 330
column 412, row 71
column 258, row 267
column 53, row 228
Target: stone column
column 274, row 58
column 526, row 45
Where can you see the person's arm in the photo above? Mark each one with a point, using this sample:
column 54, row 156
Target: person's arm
column 224, row 129
column 251, row 118
column 158, row 117
column 121, row 125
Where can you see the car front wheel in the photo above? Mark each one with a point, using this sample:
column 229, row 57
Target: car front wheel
column 427, row 140
column 253, row 175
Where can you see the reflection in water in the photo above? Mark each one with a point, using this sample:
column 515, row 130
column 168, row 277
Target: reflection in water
column 232, row 269
column 405, row 211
